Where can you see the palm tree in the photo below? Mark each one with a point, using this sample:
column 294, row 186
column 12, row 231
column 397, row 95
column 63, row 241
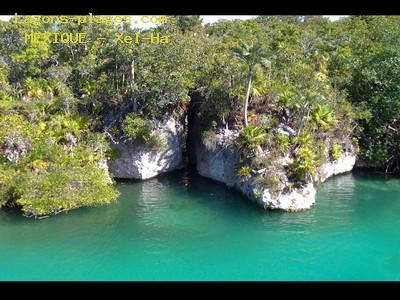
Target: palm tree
column 253, row 54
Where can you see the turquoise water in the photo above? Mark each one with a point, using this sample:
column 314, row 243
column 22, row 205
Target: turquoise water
column 183, row 227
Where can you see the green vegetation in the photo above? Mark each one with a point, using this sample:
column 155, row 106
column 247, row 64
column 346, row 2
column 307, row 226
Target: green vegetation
column 282, row 142
column 244, row 171
column 253, row 137
column 253, row 54
column 51, row 165
column 323, row 118
column 137, row 128
column 288, row 84
column 304, row 164
column 61, row 189
column 271, row 181
column 141, row 131
column 336, row 152
column 376, row 87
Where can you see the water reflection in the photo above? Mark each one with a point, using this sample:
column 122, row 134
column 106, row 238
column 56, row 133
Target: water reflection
column 181, row 226
column 340, row 187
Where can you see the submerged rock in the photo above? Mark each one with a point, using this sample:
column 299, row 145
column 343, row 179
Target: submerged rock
column 139, row 161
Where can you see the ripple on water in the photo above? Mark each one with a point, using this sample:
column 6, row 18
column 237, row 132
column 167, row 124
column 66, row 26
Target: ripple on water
column 183, row 227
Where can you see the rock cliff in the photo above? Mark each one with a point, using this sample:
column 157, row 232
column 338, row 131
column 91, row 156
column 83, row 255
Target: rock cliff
column 138, row 161
column 221, row 164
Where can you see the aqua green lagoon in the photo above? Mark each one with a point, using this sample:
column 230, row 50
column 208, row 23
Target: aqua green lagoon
column 184, row 227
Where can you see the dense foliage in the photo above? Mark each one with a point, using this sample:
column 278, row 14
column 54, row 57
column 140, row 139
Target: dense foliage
column 323, row 81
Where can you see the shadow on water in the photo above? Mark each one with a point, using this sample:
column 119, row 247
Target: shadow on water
column 183, row 226
column 155, row 193
column 174, row 200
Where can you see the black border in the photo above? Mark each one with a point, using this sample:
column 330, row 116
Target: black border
column 204, row 7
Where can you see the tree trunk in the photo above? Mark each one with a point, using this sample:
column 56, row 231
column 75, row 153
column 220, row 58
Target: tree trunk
column 133, row 85
column 303, row 118
column 246, row 100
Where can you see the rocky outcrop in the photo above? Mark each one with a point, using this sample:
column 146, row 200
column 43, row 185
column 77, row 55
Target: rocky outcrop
column 221, row 164
column 344, row 164
column 138, row 161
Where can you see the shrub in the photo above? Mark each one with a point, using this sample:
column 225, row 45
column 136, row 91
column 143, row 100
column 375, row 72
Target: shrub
column 375, row 154
column 253, row 136
column 7, row 178
column 271, row 180
column 112, row 153
column 49, row 177
column 304, row 140
column 336, row 152
column 141, row 130
column 304, row 164
column 137, row 128
column 63, row 188
column 61, row 125
column 375, row 88
column 282, row 142
column 261, row 160
column 38, row 165
column 267, row 120
column 323, row 117
column 356, row 144
column 244, row 171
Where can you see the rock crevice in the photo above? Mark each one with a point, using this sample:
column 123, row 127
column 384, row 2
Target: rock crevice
column 137, row 161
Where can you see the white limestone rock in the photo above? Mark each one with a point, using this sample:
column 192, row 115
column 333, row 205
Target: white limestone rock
column 137, row 161
column 342, row 165
column 221, row 165
column 295, row 200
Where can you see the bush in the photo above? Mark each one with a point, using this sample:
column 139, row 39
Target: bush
column 356, row 144
column 7, row 178
column 253, row 137
column 323, row 117
column 282, row 142
column 376, row 88
column 375, row 154
column 112, row 153
column 336, row 152
column 304, row 165
column 244, row 171
column 63, row 188
column 304, row 140
column 48, row 176
column 137, row 128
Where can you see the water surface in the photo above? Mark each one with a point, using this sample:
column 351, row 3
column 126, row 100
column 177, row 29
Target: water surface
column 184, row 227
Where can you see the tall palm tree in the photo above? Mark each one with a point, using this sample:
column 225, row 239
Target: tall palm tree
column 253, row 54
